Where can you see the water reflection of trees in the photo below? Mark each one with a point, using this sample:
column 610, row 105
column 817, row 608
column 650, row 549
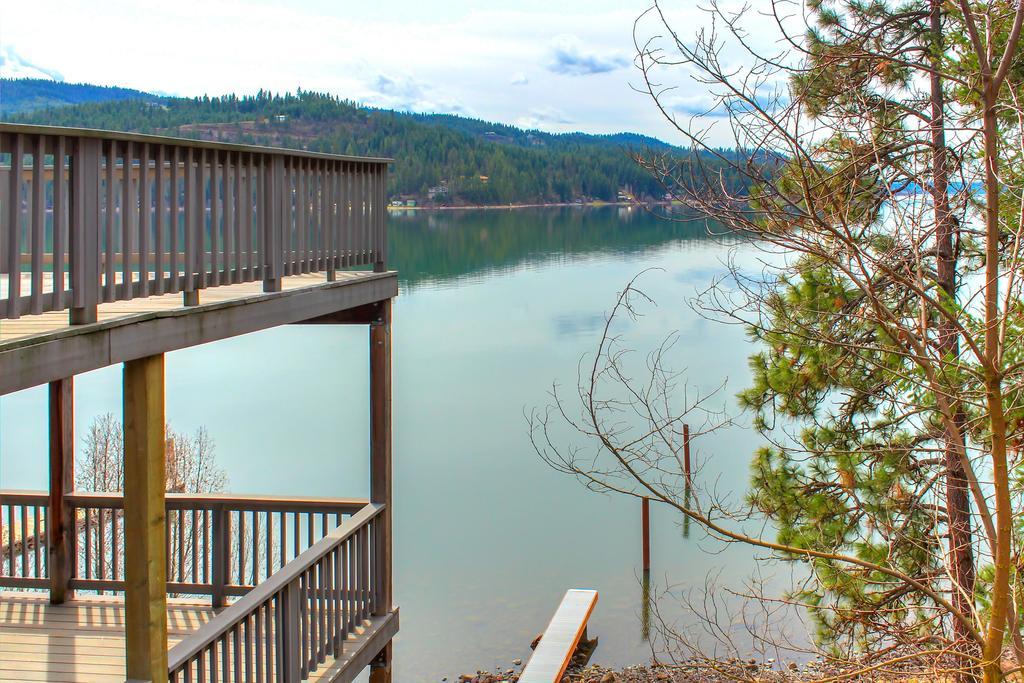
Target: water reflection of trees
column 444, row 246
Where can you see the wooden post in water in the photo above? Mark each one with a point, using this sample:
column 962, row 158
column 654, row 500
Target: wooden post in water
column 145, row 596
column 380, row 473
column 60, row 528
column 686, row 452
column 645, row 521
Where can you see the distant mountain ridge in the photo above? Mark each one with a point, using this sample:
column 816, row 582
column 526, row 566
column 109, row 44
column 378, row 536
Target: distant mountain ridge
column 440, row 158
column 22, row 95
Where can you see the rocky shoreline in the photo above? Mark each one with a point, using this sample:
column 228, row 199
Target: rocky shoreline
column 729, row 671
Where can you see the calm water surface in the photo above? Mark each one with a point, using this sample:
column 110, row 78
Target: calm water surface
column 494, row 306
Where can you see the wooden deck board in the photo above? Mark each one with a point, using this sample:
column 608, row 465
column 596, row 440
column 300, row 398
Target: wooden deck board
column 29, row 325
column 82, row 640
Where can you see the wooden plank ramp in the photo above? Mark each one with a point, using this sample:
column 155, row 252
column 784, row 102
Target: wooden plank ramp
column 82, row 640
column 560, row 638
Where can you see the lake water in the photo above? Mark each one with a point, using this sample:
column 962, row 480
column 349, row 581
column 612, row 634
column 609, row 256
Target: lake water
column 494, row 306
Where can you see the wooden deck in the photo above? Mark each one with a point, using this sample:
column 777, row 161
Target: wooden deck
column 82, row 640
column 56, row 321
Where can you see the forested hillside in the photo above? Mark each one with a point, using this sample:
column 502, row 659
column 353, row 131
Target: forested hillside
column 476, row 161
column 20, row 95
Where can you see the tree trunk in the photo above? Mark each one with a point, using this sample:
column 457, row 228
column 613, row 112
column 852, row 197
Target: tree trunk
column 958, row 505
column 1000, row 592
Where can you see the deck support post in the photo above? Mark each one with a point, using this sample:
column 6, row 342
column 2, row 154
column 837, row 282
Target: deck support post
column 61, row 527
column 380, row 473
column 144, row 519
column 83, row 233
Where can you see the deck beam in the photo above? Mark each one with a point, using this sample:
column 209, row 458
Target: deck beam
column 144, row 520
column 71, row 351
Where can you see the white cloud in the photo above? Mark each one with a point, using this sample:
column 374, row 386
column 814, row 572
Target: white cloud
column 569, row 57
column 402, row 54
column 13, row 65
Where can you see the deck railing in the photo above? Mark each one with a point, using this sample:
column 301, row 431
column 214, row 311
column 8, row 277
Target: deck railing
column 285, row 628
column 217, row 545
column 93, row 216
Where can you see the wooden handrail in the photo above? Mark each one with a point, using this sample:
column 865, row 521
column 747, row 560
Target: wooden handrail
column 230, row 501
column 121, row 136
column 280, row 595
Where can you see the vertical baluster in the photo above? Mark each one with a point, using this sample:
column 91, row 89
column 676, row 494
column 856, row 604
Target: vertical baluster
column 11, row 564
column 175, row 283
column 268, row 562
column 236, row 646
column 214, row 219
column 161, row 222
column 191, row 200
column 328, row 589
column 194, row 544
column 59, row 222
column 207, row 558
column 101, row 543
column 38, row 223
column 284, row 538
column 309, row 529
column 297, row 533
column 88, row 543
column 128, row 219
column 239, row 212
column 201, row 667
column 338, row 599
column 301, row 173
column 114, row 547
column 323, row 199
column 24, row 540
column 144, row 222
column 327, row 230
column 228, row 203
column 350, row 592
column 258, row 644
column 304, row 622
column 255, row 547
column 260, row 206
column 14, row 230
column 169, row 545
column 361, row 535
column 359, row 206
column 241, row 547
column 322, row 606
column 247, row 639
column 225, row 656
column 180, row 552
column 250, row 246
column 199, row 253
column 348, row 229
column 109, row 279
column 37, row 542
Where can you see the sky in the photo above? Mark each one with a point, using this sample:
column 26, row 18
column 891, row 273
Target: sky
column 555, row 65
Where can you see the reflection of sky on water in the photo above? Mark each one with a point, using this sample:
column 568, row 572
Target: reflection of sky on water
column 487, row 536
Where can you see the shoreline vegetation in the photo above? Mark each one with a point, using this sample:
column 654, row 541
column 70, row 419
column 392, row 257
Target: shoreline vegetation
column 547, row 205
